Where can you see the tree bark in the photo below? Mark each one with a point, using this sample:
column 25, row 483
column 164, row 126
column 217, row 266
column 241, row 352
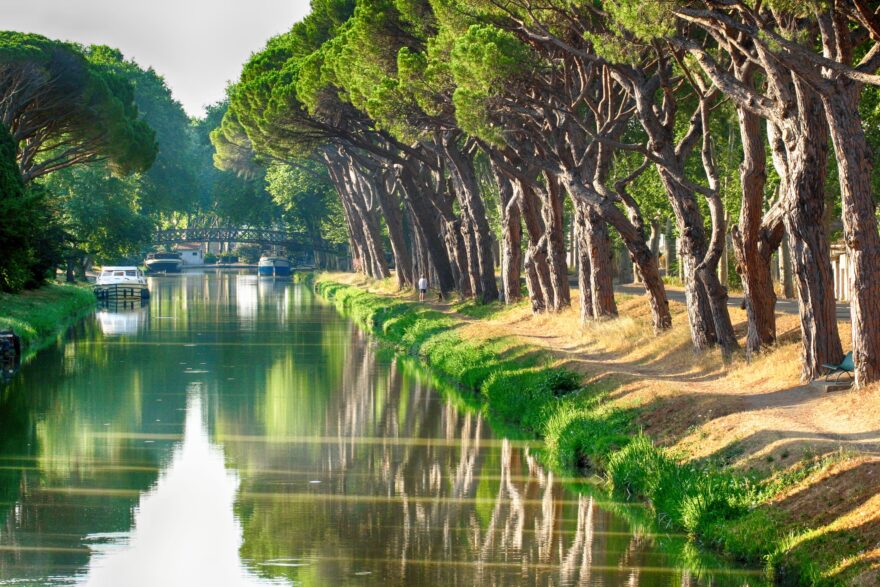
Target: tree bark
column 554, row 236
column 752, row 265
column 467, row 190
column 806, row 141
column 427, row 220
column 394, row 221
column 511, row 237
column 669, row 252
column 598, row 243
column 538, row 277
column 859, row 226
column 582, row 250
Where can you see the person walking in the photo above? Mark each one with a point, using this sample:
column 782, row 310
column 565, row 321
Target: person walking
column 423, row 287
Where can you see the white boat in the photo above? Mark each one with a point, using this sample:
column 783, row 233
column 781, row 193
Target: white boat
column 163, row 262
column 274, row 267
column 115, row 283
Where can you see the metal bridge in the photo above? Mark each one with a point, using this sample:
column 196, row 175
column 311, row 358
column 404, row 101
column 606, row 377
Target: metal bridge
column 292, row 241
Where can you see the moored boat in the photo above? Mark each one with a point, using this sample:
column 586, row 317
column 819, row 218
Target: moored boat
column 116, row 283
column 274, row 267
column 164, row 262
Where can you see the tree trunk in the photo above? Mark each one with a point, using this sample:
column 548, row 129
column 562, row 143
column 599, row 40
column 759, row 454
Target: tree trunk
column 806, row 143
column 692, row 250
column 427, row 220
column 467, row 189
column 598, row 242
column 633, row 237
column 787, row 277
column 537, row 270
column 555, row 243
column 669, row 252
column 859, row 226
column 511, row 237
column 752, row 265
column 394, row 221
column 582, row 249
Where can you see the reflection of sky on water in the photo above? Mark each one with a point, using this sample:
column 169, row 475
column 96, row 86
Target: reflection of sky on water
column 118, row 320
column 247, row 300
column 185, row 532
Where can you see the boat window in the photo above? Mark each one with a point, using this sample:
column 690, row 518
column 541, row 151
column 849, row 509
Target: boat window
column 130, row 273
column 119, row 274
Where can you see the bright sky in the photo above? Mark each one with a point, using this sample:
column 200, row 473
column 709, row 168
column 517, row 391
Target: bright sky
column 197, row 45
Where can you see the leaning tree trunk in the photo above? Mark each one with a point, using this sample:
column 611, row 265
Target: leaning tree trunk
column 582, row 253
column 691, row 252
column 806, row 152
column 427, row 221
column 537, row 270
column 752, row 265
column 370, row 222
column 634, row 239
column 859, row 226
column 467, row 189
column 669, row 247
column 554, row 236
column 394, row 221
column 511, row 237
column 598, row 243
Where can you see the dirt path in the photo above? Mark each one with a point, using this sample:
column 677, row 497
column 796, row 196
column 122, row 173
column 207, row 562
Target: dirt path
column 711, row 410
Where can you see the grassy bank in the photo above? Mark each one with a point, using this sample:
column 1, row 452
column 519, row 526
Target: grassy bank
column 40, row 314
column 753, row 514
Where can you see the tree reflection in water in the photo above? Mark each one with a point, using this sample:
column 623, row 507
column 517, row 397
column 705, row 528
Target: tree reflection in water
column 246, row 434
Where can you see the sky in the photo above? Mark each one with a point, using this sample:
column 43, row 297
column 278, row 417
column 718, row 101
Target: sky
column 197, row 45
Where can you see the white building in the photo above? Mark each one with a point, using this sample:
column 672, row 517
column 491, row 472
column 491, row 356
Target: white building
column 191, row 254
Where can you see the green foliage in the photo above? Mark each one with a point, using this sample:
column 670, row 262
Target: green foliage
column 527, row 397
column 233, row 192
column 101, row 213
column 248, row 253
column 39, row 314
column 485, row 61
column 308, row 200
column 646, row 20
column 29, row 236
column 86, row 113
column 683, row 496
column 168, row 185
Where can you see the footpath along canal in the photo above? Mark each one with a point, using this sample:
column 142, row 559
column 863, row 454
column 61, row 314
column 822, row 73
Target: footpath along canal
column 239, row 431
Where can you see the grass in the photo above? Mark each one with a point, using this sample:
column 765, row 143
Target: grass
column 524, row 392
column 39, row 314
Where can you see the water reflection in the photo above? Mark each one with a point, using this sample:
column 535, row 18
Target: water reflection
column 118, row 318
column 244, row 434
column 185, row 521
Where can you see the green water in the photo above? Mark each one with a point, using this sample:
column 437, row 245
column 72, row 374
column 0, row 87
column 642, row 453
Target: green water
column 237, row 431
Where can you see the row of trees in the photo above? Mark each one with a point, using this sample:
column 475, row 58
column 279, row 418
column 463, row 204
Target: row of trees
column 425, row 112
column 97, row 153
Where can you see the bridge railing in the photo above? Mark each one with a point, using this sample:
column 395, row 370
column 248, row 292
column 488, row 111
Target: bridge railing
column 292, row 241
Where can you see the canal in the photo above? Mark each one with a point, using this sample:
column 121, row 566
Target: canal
column 237, row 431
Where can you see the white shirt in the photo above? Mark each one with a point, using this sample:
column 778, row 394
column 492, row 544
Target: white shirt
column 423, row 283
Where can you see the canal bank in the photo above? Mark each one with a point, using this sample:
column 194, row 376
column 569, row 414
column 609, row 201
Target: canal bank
column 811, row 519
column 37, row 316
